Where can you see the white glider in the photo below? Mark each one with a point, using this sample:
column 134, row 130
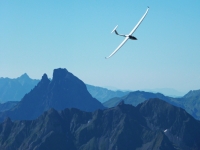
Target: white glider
column 129, row 36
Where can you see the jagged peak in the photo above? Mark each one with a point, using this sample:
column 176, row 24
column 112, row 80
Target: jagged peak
column 45, row 78
column 60, row 73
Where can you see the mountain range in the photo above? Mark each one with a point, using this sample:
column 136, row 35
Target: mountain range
column 64, row 91
column 166, row 91
column 190, row 102
column 61, row 114
column 137, row 97
column 15, row 89
column 104, row 94
column 152, row 125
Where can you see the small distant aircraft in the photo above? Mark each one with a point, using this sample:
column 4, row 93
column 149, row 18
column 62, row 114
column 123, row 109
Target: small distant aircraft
column 129, row 36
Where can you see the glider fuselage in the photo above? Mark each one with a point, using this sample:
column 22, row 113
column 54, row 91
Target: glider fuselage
column 132, row 37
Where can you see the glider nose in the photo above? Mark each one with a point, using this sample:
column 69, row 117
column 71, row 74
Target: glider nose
column 132, row 37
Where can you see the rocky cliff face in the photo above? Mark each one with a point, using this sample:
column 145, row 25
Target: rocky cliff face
column 152, row 125
column 63, row 91
column 180, row 127
column 121, row 127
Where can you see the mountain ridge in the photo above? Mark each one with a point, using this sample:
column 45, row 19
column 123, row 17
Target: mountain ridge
column 104, row 94
column 15, row 89
column 121, row 127
column 190, row 103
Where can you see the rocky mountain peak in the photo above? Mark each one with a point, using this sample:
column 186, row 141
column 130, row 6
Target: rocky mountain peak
column 44, row 82
column 45, row 77
column 64, row 91
column 60, row 73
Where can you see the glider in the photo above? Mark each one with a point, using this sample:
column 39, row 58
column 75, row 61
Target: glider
column 129, row 36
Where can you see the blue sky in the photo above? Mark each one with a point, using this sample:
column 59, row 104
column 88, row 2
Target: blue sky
column 38, row 36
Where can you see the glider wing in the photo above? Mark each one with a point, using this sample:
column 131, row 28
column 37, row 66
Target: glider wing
column 118, row 47
column 137, row 25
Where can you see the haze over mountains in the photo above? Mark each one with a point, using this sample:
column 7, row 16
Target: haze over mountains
column 167, row 92
column 190, row 102
column 103, row 94
column 15, row 88
column 61, row 114
column 8, row 105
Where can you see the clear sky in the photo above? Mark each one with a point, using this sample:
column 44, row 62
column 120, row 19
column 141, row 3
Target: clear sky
column 38, row 36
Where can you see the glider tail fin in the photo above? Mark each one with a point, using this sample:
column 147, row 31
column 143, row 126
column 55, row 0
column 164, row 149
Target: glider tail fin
column 115, row 30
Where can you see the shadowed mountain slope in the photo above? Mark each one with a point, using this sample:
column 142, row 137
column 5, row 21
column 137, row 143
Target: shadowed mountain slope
column 180, row 127
column 121, row 127
column 15, row 89
column 63, row 91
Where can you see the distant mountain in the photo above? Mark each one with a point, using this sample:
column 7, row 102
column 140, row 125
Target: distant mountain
column 8, row 105
column 63, row 91
column 15, row 89
column 167, row 92
column 137, row 97
column 151, row 125
column 103, row 94
column 191, row 102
